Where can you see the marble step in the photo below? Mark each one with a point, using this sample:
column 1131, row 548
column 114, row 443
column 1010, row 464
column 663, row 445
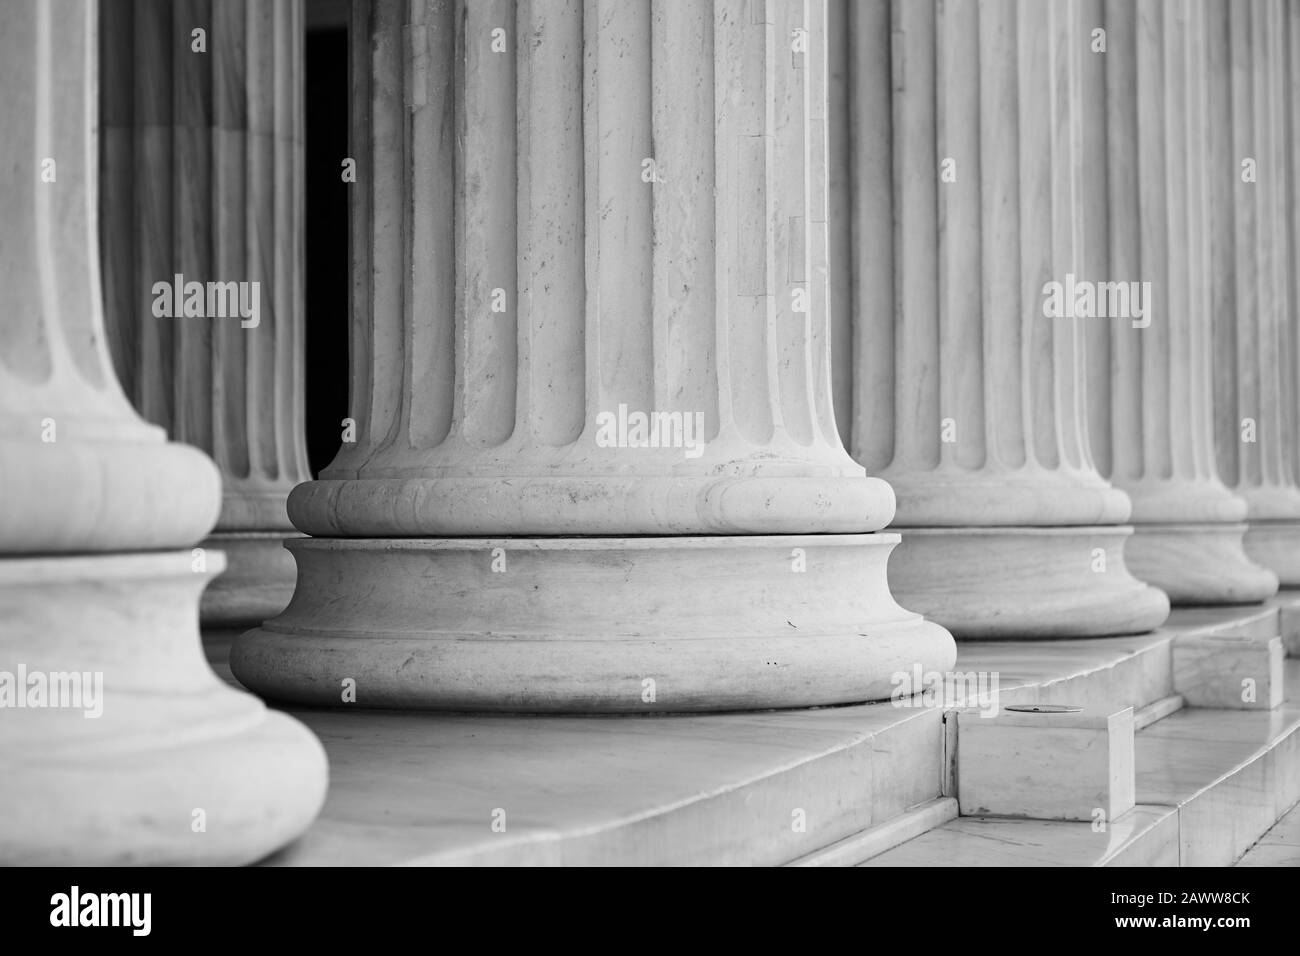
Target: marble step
column 821, row 786
column 1280, row 846
column 1287, row 602
column 756, row 788
column 741, row 789
column 1210, row 783
column 1134, row 671
column 1145, row 836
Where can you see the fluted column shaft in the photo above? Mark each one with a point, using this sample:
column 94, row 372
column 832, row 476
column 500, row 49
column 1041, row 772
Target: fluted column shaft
column 646, row 237
column 1148, row 214
column 965, row 159
column 590, row 299
column 1253, row 264
column 114, row 766
column 202, row 177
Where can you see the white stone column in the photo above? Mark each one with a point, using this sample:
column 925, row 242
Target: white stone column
column 1253, row 265
column 202, row 177
column 620, row 214
column 963, row 152
column 1151, row 384
column 149, row 758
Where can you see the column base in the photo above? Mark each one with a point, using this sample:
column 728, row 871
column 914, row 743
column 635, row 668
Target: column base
column 618, row 625
column 1276, row 545
column 177, row 767
column 724, row 505
column 257, row 583
column 1198, row 564
column 1024, row 583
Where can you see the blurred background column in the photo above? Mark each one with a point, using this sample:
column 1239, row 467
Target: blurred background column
column 1253, row 265
column 125, row 748
column 202, row 177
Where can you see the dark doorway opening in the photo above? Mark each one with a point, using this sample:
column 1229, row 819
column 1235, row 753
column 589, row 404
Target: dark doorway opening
column 328, row 292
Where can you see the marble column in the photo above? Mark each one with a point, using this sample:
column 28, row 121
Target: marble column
column 1147, row 229
column 1253, row 265
column 119, row 745
column 960, row 134
column 202, row 177
column 596, row 465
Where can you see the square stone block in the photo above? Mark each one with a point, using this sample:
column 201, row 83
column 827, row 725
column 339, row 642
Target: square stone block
column 1048, row 764
column 1288, row 602
column 1229, row 673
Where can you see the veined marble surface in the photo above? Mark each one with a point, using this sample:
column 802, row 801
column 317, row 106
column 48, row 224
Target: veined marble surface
column 1280, row 846
column 1209, row 783
column 421, row 787
column 1145, row 836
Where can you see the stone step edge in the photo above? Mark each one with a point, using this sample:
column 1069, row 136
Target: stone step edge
column 847, row 851
column 1144, row 717
column 1072, row 686
column 917, row 821
column 885, row 836
column 547, row 846
column 902, row 827
column 926, row 816
column 1294, row 808
column 1281, row 736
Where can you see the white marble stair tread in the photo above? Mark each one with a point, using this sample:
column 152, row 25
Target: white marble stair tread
column 421, row 787
column 1250, row 620
column 1145, row 836
column 1133, row 671
column 1209, row 783
column 1280, row 846
column 1232, row 774
column 410, row 788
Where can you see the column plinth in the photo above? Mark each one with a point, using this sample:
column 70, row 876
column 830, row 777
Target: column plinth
column 143, row 755
column 605, row 316
column 202, row 172
column 1025, row 582
column 713, row 623
column 123, row 788
column 960, row 145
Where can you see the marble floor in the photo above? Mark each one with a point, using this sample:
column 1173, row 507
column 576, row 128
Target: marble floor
column 779, row 786
column 746, row 788
column 1280, row 846
column 1209, row 782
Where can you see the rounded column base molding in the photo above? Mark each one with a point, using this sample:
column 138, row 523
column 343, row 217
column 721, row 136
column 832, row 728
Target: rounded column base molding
column 256, row 510
column 434, row 507
column 601, row 625
column 952, row 498
column 1198, row 564
column 1276, row 545
column 110, row 495
column 1024, row 583
column 257, row 583
column 176, row 767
